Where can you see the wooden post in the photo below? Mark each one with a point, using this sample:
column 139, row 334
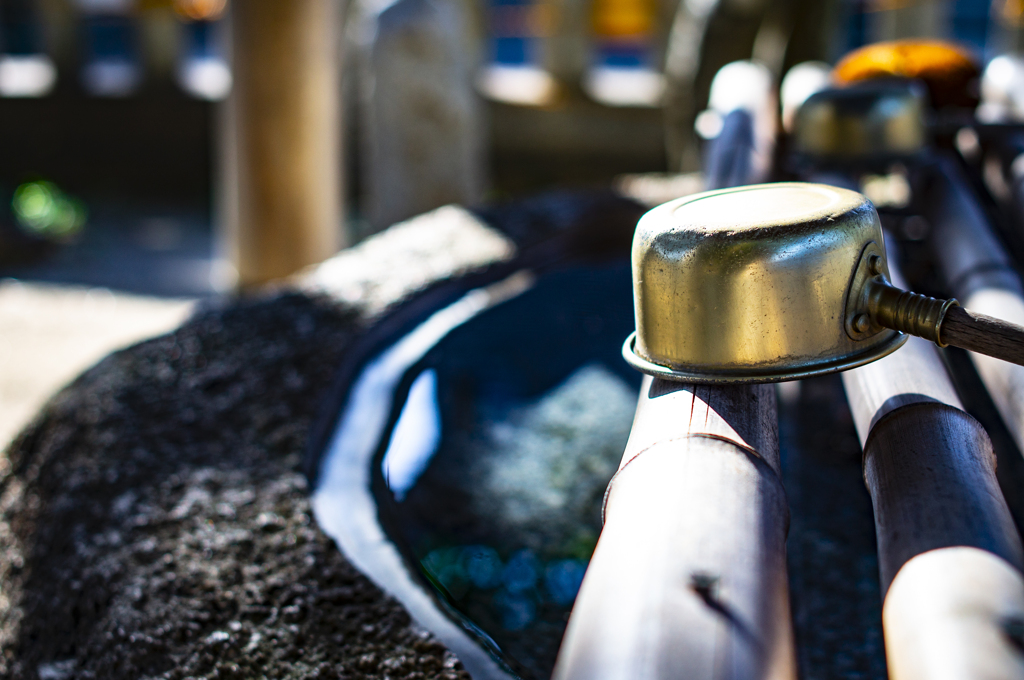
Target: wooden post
column 939, row 514
column 900, row 20
column 683, row 59
column 281, row 153
column 568, row 48
column 689, row 576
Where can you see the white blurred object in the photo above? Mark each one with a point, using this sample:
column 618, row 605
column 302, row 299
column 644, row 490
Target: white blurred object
column 206, row 78
column 618, row 86
column 801, row 82
column 745, row 85
column 968, row 144
column 708, row 124
column 743, row 101
column 416, row 436
column 112, row 77
column 26, row 75
column 1002, row 90
column 521, row 85
column 654, row 188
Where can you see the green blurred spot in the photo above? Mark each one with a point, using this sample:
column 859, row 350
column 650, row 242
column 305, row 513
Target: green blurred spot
column 44, row 210
column 582, row 545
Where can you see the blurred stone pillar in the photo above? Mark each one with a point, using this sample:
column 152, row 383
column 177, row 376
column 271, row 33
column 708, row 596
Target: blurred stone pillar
column 281, row 154
column 424, row 142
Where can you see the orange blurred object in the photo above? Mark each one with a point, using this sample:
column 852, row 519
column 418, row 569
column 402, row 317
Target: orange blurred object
column 200, row 10
column 949, row 71
column 1010, row 12
column 623, row 19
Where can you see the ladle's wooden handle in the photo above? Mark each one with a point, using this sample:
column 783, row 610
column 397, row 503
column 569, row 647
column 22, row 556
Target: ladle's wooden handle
column 983, row 334
column 943, row 321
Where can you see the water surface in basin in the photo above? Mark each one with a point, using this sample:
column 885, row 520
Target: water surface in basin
column 504, row 437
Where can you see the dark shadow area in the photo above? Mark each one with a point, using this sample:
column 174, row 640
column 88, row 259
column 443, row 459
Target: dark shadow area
column 141, row 168
column 161, row 250
column 156, row 147
column 833, row 563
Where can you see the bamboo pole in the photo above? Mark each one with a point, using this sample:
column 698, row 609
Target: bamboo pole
column 281, row 153
column 954, row 613
column 978, row 272
column 689, row 576
column 939, row 514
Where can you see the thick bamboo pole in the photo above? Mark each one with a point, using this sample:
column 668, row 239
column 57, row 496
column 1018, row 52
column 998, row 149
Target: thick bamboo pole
column 954, row 613
column 689, row 576
column 939, row 515
column 978, row 272
column 281, row 155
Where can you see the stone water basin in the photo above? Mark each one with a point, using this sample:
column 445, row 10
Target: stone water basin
column 483, row 441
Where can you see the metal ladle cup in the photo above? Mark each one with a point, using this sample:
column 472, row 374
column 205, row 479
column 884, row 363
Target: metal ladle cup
column 872, row 123
column 774, row 282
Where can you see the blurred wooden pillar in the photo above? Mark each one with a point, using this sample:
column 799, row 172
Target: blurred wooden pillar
column 281, row 150
column 900, row 19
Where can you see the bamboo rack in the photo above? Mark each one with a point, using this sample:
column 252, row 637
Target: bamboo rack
column 949, row 553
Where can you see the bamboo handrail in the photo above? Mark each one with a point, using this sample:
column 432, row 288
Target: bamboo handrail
column 978, row 271
column 939, row 513
column 689, row 575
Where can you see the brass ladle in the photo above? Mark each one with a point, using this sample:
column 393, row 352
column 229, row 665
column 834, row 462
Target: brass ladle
column 776, row 282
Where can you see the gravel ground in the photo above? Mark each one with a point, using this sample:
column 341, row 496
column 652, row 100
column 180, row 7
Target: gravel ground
column 154, row 522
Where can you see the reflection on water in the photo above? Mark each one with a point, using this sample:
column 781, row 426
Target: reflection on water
column 415, row 437
column 499, row 455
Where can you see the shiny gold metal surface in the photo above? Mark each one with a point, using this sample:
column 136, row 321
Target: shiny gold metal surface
column 881, row 119
column 873, row 303
column 751, row 284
